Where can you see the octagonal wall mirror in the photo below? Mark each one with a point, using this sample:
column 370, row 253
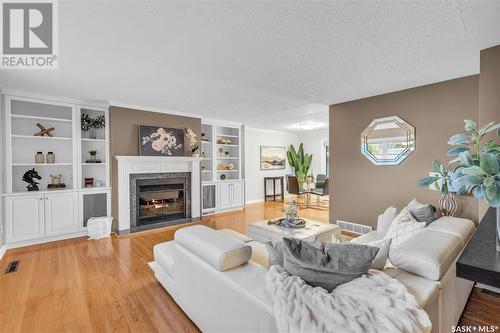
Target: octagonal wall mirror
column 388, row 141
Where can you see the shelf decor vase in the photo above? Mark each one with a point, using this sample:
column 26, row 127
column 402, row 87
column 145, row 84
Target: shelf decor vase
column 39, row 158
column 448, row 205
column 50, row 158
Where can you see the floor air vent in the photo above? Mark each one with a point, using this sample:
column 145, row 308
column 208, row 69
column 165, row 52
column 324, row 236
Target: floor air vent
column 354, row 227
column 12, row 267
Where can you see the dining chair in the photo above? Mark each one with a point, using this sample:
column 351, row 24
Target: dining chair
column 324, row 191
column 293, row 186
column 320, row 182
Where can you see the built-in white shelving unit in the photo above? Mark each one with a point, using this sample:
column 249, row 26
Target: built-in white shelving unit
column 99, row 172
column 222, row 183
column 50, row 214
column 207, row 152
column 21, row 118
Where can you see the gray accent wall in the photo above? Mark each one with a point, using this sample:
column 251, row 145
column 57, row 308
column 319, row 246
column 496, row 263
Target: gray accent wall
column 124, row 137
column 359, row 190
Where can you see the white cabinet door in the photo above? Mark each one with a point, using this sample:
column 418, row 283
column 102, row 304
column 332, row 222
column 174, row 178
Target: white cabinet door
column 61, row 213
column 224, row 195
column 24, row 216
column 237, row 194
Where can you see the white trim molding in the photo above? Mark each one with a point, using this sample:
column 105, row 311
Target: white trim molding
column 52, row 98
column 3, row 249
column 128, row 165
column 153, row 109
column 251, row 202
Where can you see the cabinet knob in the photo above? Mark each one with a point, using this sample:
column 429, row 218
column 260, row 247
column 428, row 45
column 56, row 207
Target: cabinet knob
column 41, row 198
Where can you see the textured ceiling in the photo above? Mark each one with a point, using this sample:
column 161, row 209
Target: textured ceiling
column 266, row 64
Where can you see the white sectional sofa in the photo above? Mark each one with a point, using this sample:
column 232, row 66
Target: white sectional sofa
column 210, row 276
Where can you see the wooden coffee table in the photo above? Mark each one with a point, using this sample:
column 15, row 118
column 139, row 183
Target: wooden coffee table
column 313, row 231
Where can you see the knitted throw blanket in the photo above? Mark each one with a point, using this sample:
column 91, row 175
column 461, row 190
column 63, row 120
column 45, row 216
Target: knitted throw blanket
column 372, row 303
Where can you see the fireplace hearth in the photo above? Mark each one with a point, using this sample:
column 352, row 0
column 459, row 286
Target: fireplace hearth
column 159, row 198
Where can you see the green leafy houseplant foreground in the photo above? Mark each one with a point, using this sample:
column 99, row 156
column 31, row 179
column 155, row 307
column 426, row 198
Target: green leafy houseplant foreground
column 476, row 167
column 300, row 161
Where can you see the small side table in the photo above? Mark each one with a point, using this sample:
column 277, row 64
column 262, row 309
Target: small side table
column 274, row 195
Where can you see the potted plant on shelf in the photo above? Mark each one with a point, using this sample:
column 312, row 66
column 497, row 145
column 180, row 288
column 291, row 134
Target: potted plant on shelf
column 300, row 162
column 92, row 124
column 93, row 156
column 98, row 123
column 476, row 169
column 86, row 122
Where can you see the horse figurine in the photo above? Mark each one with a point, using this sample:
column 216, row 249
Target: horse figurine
column 29, row 177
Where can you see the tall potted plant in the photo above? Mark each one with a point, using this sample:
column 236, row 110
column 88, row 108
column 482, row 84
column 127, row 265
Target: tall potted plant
column 476, row 168
column 300, row 162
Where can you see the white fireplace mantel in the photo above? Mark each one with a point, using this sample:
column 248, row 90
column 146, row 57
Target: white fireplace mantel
column 128, row 165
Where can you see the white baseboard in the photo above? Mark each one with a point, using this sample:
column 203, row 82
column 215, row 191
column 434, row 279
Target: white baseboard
column 249, row 202
column 483, row 286
column 227, row 210
column 45, row 240
column 3, row 249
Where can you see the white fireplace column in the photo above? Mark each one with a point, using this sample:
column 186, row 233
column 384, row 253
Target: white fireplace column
column 128, row 165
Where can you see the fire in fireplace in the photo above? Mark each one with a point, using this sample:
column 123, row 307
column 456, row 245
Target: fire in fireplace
column 160, row 200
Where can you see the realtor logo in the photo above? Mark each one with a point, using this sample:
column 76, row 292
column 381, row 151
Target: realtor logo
column 29, row 34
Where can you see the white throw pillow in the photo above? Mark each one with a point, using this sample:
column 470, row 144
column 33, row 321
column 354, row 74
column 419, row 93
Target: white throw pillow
column 403, row 227
column 381, row 258
column 385, row 219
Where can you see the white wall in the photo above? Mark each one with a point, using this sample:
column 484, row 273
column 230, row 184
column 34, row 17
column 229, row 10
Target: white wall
column 314, row 144
column 2, row 175
column 254, row 138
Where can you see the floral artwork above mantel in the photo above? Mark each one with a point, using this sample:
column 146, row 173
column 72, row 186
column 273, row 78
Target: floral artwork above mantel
column 161, row 141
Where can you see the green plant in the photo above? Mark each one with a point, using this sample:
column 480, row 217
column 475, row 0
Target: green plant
column 86, row 122
column 440, row 179
column 478, row 164
column 300, row 161
column 476, row 168
column 99, row 122
column 93, row 152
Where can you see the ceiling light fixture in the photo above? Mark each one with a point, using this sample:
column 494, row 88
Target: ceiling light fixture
column 309, row 125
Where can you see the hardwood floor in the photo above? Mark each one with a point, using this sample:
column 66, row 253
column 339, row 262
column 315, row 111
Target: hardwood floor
column 106, row 285
column 482, row 309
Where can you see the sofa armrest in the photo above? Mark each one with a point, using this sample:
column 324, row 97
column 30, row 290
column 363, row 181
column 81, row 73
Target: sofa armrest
column 218, row 250
column 372, row 236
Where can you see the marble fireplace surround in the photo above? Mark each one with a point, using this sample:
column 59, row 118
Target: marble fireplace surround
column 170, row 175
column 130, row 165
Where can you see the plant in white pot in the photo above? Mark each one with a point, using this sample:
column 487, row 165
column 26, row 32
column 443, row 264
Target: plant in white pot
column 476, row 169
